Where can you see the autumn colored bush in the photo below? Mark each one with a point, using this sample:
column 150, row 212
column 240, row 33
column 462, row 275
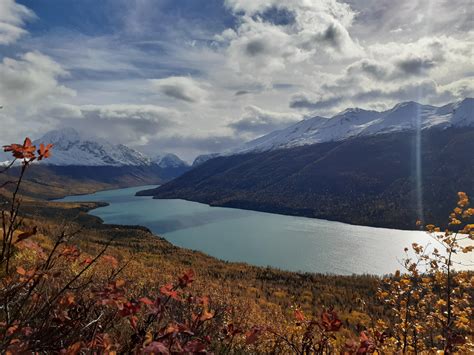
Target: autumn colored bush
column 57, row 298
column 431, row 303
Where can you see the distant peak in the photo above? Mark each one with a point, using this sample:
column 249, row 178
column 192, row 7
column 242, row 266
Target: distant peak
column 406, row 104
column 169, row 160
column 467, row 101
column 352, row 110
column 64, row 134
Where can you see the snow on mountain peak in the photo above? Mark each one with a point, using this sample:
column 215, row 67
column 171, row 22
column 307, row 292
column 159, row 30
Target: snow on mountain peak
column 70, row 148
column 62, row 137
column 169, row 161
column 355, row 122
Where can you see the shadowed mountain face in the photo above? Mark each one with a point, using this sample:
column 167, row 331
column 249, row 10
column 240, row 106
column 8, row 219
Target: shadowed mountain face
column 370, row 180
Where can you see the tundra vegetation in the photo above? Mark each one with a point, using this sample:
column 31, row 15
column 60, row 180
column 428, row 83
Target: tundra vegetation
column 72, row 288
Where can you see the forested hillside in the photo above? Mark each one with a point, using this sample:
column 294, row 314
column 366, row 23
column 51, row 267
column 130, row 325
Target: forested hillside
column 369, row 181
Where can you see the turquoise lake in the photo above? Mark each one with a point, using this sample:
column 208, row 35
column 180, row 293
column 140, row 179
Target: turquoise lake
column 264, row 239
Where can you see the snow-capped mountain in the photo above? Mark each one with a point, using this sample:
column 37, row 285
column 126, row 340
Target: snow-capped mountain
column 70, row 148
column 355, row 122
column 169, row 161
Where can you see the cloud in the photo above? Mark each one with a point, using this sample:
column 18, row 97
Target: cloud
column 242, row 92
column 124, row 123
column 415, row 66
column 32, row 78
column 190, row 145
column 13, row 17
column 372, row 68
column 403, row 20
column 302, row 101
column 28, row 85
column 179, row 88
column 257, row 121
column 426, row 89
column 256, row 47
column 273, row 35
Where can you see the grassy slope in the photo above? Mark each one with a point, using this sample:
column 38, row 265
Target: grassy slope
column 264, row 294
column 50, row 182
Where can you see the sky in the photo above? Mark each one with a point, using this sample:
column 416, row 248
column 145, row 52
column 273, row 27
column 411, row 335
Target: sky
column 198, row 76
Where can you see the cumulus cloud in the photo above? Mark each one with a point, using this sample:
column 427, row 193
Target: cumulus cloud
column 124, row 123
column 13, row 17
column 257, row 121
column 31, row 78
column 275, row 34
column 179, row 88
column 28, row 85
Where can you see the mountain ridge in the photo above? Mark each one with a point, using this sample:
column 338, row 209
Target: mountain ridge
column 355, row 122
column 70, row 148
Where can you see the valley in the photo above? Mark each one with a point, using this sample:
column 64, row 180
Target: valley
column 367, row 181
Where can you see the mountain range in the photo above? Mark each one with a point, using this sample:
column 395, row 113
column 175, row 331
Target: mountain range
column 364, row 167
column 78, row 163
column 71, row 148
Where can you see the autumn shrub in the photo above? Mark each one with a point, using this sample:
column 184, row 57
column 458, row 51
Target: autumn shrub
column 431, row 302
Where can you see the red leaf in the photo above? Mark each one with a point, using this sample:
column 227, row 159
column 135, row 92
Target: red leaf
column 187, row 278
column 299, row 315
column 87, row 261
column 71, row 252
column 44, row 152
column 20, row 270
column 111, row 260
column 147, row 301
column 25, row 151
column 129, row 308
column 168, row 290
column 330, row 322
column 253, row 335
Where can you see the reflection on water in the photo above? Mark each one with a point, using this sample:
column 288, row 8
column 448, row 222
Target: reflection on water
column 182, row 221
column 286, row 242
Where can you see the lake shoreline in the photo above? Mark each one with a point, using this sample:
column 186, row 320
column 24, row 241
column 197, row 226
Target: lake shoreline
column 296, row 244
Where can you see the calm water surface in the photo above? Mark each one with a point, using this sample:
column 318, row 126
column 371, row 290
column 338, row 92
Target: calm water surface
column 290, row 243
